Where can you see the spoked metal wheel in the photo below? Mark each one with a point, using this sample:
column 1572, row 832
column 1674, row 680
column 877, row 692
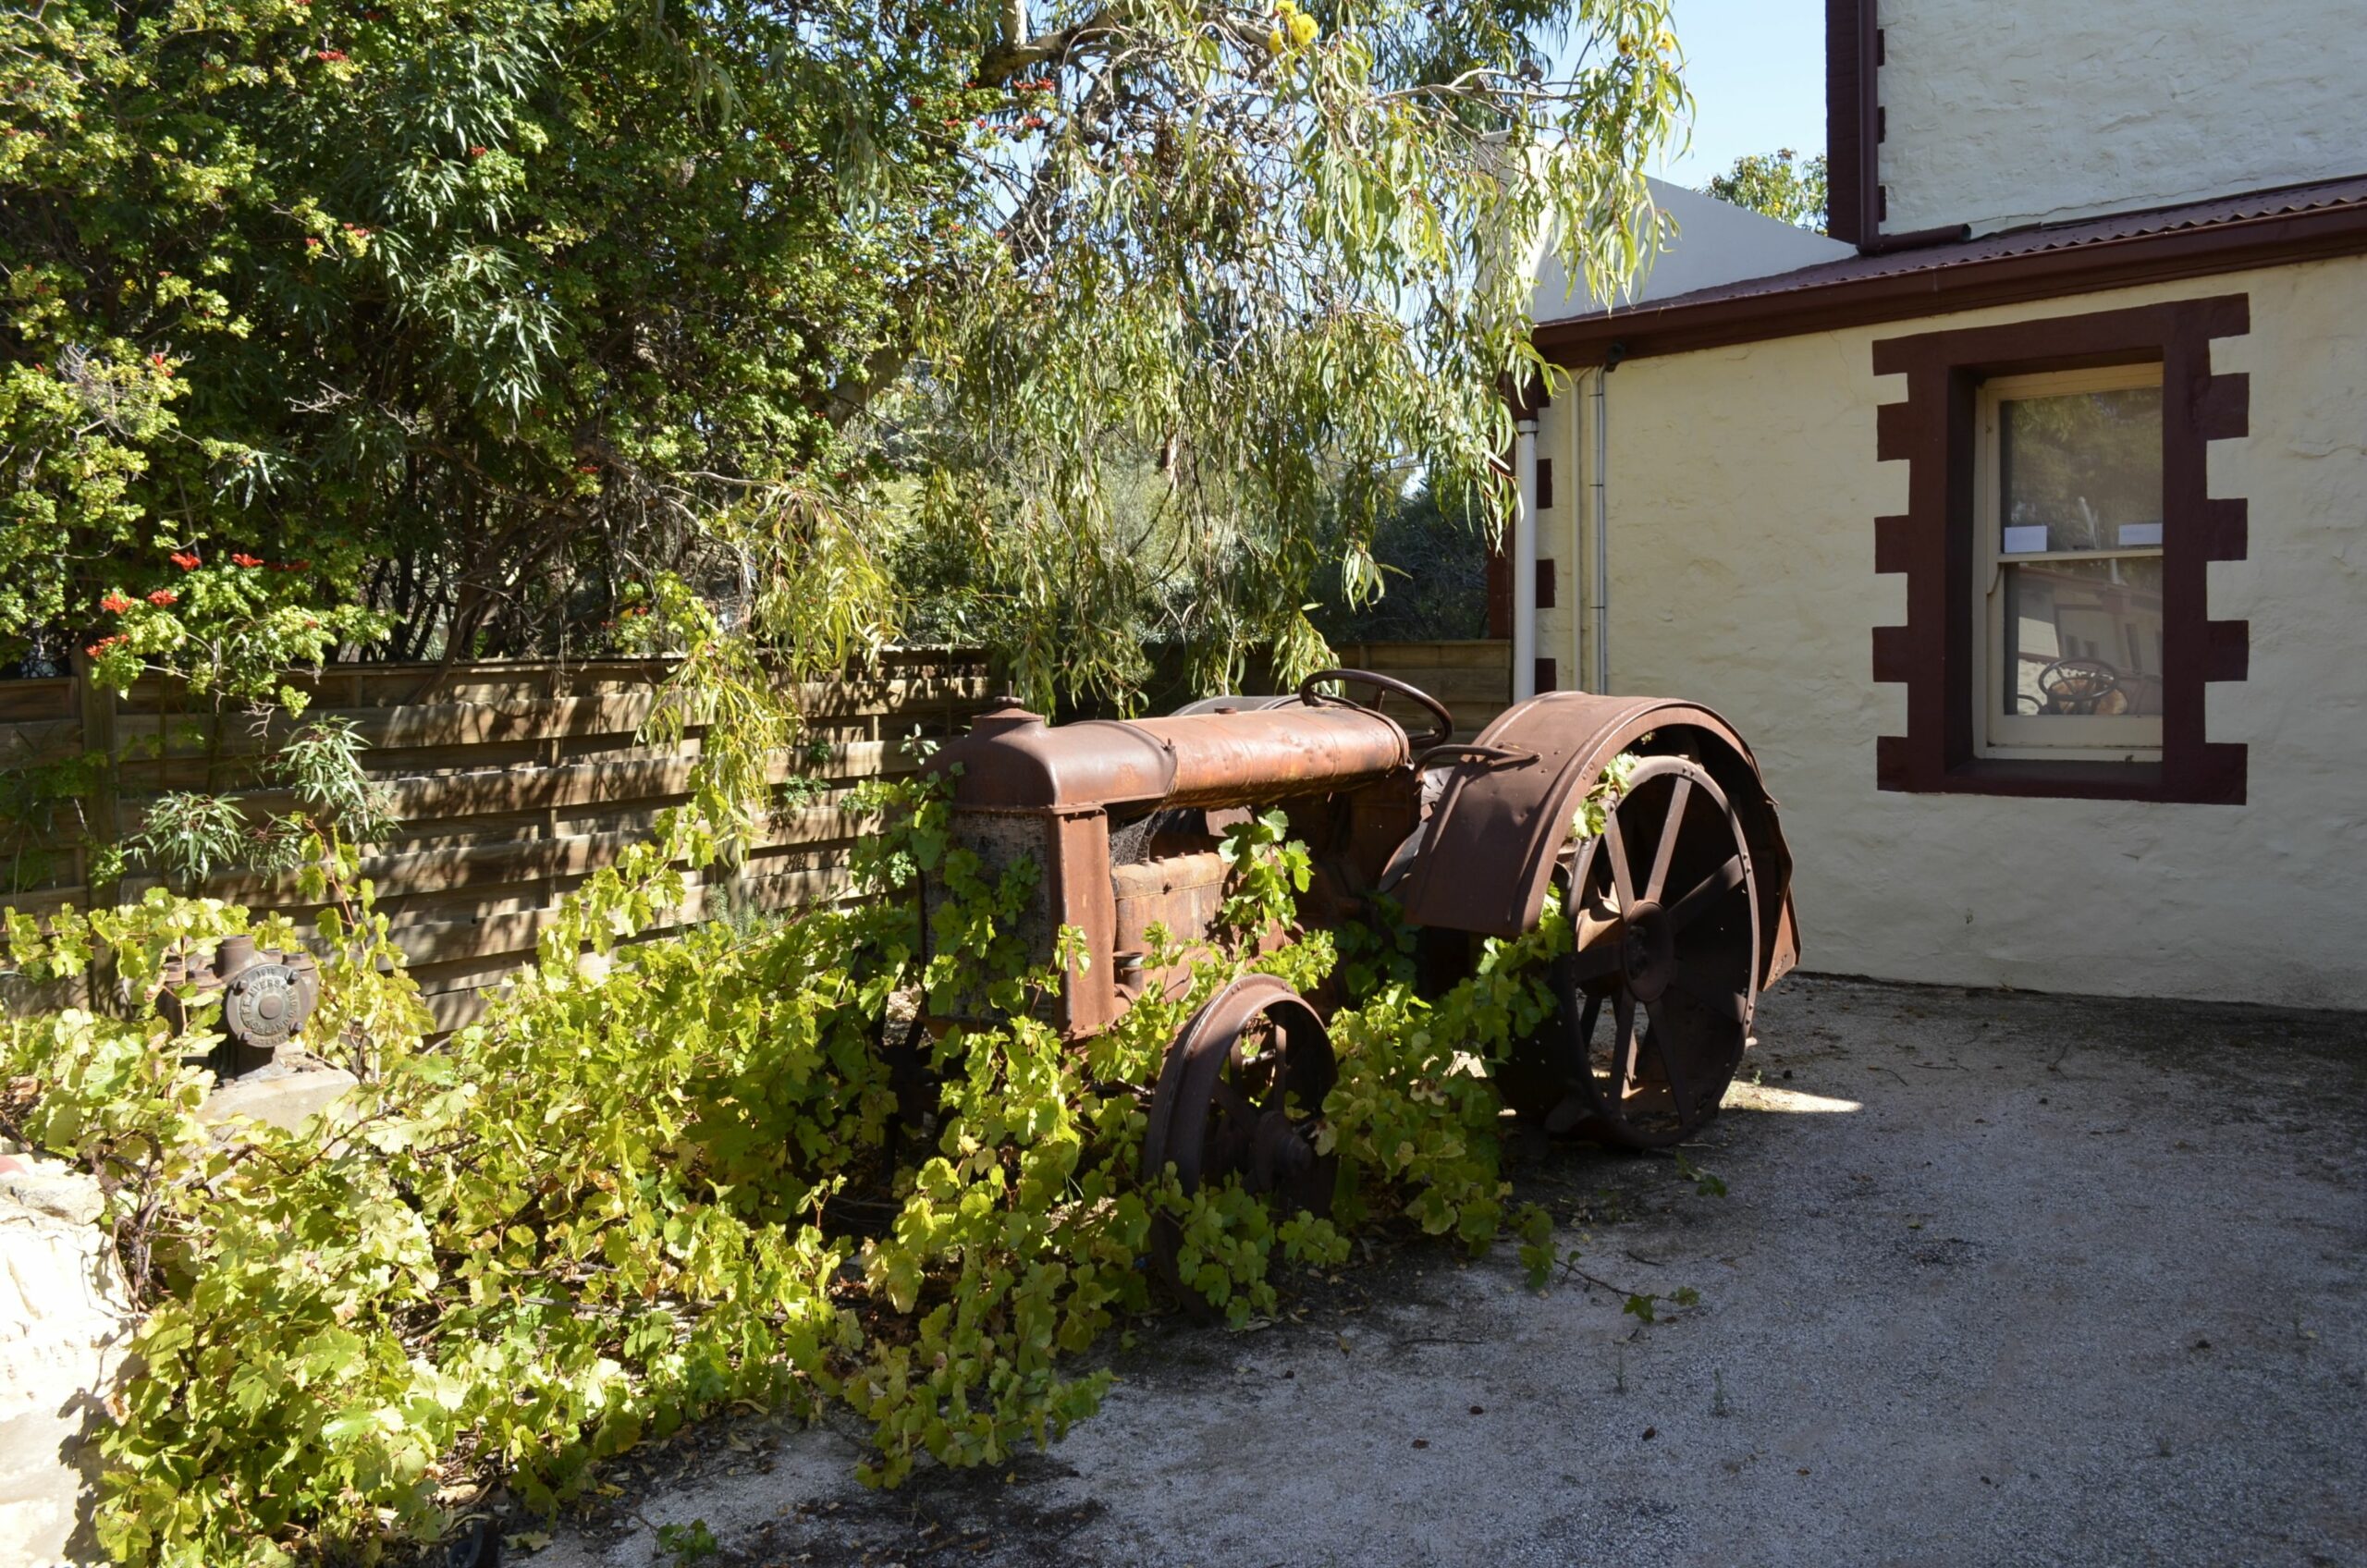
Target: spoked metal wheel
column 1656, row 1001
column 1240, row 1096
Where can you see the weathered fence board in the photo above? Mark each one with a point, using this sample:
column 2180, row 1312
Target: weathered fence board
column 1474, row 678
column 514, row 782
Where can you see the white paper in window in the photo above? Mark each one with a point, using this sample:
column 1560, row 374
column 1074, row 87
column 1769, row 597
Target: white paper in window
column 2030, row 540
column 2136, row 533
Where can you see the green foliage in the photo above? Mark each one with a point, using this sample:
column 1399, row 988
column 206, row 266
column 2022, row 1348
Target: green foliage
column 1265, row 874
column 1414, row 1116
column 1644, row 1307
column 1602, row 797
column 441, row 307
column 228, row 629
column 1776, row 184
column 1431, row 553
column 688, row 1544
column 1706, row 1183
column 665, row 1176
column 330, row 326
column 187, row 836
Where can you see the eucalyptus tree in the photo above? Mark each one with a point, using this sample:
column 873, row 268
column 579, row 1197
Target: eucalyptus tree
column 1779, row 184
column 1133, row 315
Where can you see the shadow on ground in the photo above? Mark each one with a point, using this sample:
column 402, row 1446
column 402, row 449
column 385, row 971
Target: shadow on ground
column 1996, row 1278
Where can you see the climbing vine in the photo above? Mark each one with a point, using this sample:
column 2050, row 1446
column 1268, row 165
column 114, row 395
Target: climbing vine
column 722, row 1165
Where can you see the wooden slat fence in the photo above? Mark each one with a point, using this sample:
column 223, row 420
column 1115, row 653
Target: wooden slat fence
column 515, row 781
column 1474, row 678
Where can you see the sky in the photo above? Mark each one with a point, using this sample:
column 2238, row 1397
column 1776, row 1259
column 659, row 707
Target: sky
column 1756, row 71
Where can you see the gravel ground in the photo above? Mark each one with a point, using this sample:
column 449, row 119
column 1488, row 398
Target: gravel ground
column 1996, row 1278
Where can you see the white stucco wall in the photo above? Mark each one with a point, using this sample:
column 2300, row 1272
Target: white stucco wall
column 1708, row 243
column 2024, row 111
column 1743, row 490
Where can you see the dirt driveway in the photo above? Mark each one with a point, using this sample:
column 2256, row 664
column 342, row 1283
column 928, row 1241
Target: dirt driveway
column 1994, row 1279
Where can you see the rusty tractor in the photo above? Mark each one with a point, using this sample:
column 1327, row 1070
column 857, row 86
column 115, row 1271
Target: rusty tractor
column 1681, row 902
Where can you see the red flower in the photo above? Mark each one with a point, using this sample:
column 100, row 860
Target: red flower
column 185, row 559
column 330, row 54
column 588, row 468
column 114, row 604
column 311, row 243
column 291, row 566
column 161, row 598
column 103, row 643
column 246, row 560
column 476, row 151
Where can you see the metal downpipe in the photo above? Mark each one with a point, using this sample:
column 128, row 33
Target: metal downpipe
column 1596, row 477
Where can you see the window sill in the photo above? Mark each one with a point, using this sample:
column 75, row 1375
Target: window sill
column 2212, row 775
column 2068, row 780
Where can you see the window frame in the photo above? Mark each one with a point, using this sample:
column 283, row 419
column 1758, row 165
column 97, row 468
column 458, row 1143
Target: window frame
column 2056, row 737
column 1933, row 545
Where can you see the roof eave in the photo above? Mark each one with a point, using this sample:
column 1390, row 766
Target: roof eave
column 1819, row 305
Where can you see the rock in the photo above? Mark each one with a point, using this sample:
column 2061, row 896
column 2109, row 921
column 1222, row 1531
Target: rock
column 51, row 1187
column 64, row 1320
column 283, row 1094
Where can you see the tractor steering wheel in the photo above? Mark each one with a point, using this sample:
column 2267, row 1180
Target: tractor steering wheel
column 2076, row 686
column 1429, row 704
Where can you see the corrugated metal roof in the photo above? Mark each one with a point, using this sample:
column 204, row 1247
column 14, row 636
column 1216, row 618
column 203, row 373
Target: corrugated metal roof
column 2034, row 242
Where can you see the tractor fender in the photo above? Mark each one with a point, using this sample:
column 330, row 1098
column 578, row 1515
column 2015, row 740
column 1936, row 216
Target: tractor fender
column 1487, row 851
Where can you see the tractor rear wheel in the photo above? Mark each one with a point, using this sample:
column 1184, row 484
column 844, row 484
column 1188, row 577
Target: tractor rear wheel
column 1656, row 999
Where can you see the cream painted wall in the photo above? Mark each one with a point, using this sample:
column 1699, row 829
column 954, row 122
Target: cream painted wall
column 1744, row 488
column 2029, row 111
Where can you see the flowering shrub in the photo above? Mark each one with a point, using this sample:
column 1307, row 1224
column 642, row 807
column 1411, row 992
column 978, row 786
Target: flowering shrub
column 228, row 631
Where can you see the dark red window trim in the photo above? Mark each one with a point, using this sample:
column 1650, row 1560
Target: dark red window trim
column 1933, row 655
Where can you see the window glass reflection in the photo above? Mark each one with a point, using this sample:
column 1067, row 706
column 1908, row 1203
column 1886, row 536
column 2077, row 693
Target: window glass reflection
column 2083, row 637
column 2082, row 472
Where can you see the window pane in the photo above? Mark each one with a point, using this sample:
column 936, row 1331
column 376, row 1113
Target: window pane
column 2082, row 472
column 2084, row 637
